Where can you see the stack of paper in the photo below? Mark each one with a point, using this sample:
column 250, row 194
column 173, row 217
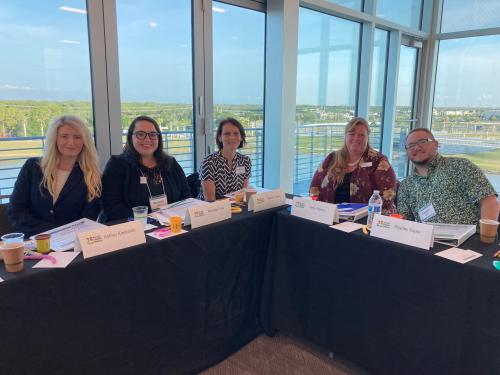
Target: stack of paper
column 459, row 255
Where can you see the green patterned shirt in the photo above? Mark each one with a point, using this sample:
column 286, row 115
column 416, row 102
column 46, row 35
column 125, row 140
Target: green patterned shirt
column 454, row 186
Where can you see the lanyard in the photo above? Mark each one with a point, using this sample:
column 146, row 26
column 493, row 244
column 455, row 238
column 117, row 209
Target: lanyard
column 147, row 184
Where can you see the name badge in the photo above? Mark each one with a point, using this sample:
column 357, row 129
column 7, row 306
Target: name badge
column 143, row 180
column 427, row 212
column 366, row 165
column 240, row 170
column 158, row 202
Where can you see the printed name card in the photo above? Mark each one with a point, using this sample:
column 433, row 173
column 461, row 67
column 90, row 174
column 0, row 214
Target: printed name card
column 209, row 213
column 266, row 200
column 321, row 212
column 111, row 238
column 403, row 231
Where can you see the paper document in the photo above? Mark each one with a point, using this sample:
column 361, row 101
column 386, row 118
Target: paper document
column 454, row 234
column 62, row 260
column 176, row 209
column 459, row 255
column 347, row 226
column 163, row 233
column 63, row 238
column 1, row 279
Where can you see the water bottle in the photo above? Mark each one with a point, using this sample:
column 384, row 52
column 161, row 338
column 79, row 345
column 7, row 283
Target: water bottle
column 374, row 207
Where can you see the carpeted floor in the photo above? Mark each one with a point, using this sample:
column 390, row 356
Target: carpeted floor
column 282, row 355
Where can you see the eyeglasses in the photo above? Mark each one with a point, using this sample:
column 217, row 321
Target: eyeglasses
column 420, row 142
column 142, row 135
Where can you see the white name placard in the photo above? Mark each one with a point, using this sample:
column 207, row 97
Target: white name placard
column 266, row 200
column 208, row 213
column 107, row 239
column 321, row 212
column 403, row 231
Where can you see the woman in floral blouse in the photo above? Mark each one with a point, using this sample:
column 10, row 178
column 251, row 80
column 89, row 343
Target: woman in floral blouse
column 353, row 172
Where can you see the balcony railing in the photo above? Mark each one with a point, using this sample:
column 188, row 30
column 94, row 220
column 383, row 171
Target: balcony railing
column 312, row 143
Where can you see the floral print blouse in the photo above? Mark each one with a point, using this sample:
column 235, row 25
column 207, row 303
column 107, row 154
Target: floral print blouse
column 373, row 172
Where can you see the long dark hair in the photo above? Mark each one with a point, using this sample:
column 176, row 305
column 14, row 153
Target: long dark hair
column 161, row 158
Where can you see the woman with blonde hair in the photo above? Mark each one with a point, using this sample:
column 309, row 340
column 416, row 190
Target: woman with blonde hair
column 63, row 185
column 350, row 175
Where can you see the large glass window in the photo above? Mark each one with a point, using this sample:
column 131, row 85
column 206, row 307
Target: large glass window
column 353, row 4
column 238, row 80
column 405, row 12
column 154, row 43
column 466, row 113
column 404, row 108
column 44, row 73
column 327, row 77
column 377, row 88
column 459, row 15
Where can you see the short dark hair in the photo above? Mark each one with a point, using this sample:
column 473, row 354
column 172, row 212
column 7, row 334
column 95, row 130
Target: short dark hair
column 429, row 133
column 159, row 155
column 232, row 121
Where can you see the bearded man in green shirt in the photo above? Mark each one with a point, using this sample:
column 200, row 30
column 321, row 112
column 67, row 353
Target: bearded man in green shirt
column 443, row 189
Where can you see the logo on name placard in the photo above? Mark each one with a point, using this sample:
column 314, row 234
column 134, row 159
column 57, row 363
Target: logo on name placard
column 383, row 224
column 199, row 213
column 91, row 240
column 299, row 204
column 260, row 200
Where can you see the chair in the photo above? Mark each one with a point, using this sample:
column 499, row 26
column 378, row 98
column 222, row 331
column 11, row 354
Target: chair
column 5, row 225
column 194, row 183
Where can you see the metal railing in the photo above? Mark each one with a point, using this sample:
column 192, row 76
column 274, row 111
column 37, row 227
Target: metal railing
column 312, row 143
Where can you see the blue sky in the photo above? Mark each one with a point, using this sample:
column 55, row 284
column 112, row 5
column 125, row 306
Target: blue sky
column 48, row 54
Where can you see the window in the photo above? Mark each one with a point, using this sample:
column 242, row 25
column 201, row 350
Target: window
column 404, row 108
column 238, row 68
column 466, row 113
column 154, row 43
column 377, row 88
column 44, row 73
column 327, row 77
column 459, row 15
column 405, row 12
column 353, row 4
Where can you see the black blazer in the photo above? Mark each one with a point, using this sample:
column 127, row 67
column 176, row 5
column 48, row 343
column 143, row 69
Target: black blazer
column 31, row 209
column 122, row 189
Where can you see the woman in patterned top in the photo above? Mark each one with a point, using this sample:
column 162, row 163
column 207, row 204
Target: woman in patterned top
column 353, row 172
column 226, row 170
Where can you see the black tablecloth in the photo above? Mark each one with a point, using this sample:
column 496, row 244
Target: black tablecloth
column 390, row 308
column 166, row 307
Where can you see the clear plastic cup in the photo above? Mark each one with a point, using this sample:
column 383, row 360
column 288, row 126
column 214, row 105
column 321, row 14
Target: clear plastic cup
column 13, row 237
column 141, row 214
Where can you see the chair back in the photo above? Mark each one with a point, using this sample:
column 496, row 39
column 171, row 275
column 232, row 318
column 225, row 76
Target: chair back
column 194, row 183
column 5, row 225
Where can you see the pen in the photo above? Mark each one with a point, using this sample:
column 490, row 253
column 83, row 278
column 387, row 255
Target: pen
column 496, row 254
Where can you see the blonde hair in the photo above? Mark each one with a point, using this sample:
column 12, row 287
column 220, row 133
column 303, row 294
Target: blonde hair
column 337, row 170
column 87, row 159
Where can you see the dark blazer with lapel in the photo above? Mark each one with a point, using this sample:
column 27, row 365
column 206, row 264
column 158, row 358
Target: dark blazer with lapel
column 31, row 209
column 121, row 189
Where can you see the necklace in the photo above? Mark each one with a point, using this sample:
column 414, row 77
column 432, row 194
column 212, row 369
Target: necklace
column 355, row 163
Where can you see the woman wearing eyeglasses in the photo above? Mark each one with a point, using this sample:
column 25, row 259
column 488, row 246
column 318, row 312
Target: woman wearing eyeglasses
column 143, row 175
column 350, row 175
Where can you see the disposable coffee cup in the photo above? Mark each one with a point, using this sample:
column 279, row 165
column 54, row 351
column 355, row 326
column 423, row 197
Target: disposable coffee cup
column 43, row 243
column 13, row 256
column 175, row 224
column 248, row 193
column 488, row 230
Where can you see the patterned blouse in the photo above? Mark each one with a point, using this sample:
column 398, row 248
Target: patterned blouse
column 373, row 172
column 454, row 187
column 216, row 168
